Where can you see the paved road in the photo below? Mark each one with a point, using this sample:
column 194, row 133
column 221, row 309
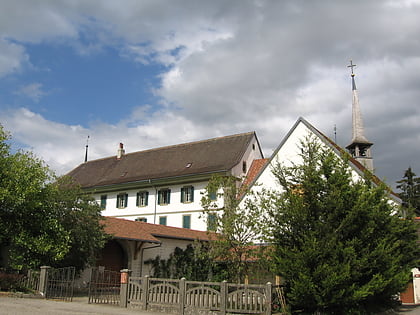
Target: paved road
column 31, row 306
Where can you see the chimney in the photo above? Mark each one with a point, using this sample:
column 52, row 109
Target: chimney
column 120, row 151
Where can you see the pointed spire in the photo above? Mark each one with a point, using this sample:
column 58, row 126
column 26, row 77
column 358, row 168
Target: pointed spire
column 360, row 146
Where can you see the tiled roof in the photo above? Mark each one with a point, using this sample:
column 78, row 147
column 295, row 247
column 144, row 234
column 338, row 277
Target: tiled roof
column 201, row 157
column 254, row 170
column 147, row 232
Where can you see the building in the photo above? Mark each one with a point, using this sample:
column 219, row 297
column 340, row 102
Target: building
column 165, row 185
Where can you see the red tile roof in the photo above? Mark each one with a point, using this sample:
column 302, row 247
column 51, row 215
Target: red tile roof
column 254, row 170
column 147, row 232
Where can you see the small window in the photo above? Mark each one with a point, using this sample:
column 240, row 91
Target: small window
column 162, row 220
column 164, row 196
column 253, row 146
column 212, row 195
column 211, row 222
column 103, row 202
column 244, row 166
column 187, row 194
column 122, row 200
column 186, row 221
column 141, row 219
column 142, row 199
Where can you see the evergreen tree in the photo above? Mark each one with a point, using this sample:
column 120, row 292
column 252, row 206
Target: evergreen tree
column 338, row 243
column 410, row 191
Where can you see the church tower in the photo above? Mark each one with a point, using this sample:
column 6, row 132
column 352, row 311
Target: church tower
column 359, row 148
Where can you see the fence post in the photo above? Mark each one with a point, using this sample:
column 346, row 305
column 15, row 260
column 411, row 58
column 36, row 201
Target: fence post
column 43, row 280
column 223, row 297
column 182, row 288
column 269, row 295
column 125, row 277
column 145, row 291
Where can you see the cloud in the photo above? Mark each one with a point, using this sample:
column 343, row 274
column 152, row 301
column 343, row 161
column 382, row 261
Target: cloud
column 34, row 91
column 12, row 57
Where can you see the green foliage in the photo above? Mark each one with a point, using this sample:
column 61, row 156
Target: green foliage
column 337, row 242
column 190, row 263
column 44, row 220
column 410, row 191
column 239, row 221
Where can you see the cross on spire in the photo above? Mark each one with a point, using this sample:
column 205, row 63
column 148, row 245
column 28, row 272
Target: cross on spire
column 351, row 66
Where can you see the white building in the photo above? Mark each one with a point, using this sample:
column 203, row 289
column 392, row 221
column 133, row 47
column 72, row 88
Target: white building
column 165, row 185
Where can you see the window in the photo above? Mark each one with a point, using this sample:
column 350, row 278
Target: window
column 244, row 166
column 142, row 199
column 122, row 200
column 164, row 196
column 162, row 220
column 141, row 219
column 212, row 195
column 187, row 194
column 186, row 221
column 211, row 222
column 103, row 202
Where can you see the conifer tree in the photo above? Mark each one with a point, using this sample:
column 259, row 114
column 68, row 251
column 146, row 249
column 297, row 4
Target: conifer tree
column 338, row 242
column 410, row 191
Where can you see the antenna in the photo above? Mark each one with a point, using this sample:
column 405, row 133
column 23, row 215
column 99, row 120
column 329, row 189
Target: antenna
column 87, row 146
column 335, row 133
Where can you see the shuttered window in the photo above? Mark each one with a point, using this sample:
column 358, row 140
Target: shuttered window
column 186, row 221
column 122, row 200
column 187, row 194
column 142, row 199
column 164, row 196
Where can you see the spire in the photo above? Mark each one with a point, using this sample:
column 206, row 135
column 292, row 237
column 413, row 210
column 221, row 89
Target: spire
column 359, row 147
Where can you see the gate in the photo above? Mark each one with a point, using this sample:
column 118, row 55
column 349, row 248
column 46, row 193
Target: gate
column 60, row 283
column 104, row 286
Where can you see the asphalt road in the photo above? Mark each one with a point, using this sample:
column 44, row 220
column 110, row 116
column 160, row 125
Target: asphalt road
column 32, row 306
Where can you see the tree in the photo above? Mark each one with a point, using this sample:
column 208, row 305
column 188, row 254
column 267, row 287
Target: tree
column 44, row 220
column 238, row 223
column 410, row 191
column 337, row 241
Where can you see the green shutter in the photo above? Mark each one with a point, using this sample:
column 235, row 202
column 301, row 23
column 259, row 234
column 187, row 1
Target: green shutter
column 125, row 200
column 146, row 198
column 159, row 197
column 169, row 196
column 192, row 193
column 186, row 221
column 183, row 194
column 138, row 200
column 118, row 199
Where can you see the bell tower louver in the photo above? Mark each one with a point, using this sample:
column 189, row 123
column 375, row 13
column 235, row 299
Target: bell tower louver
column 359, row 148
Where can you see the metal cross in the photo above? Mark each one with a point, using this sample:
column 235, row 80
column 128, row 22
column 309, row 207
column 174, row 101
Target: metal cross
column 351, row 66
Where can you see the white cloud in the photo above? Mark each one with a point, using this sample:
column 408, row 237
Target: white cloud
column 34, row 91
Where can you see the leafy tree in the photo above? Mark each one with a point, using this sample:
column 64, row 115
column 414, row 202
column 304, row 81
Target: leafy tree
column 410, row 191
column 337, row 241
column 44, row 220
column 238, row 223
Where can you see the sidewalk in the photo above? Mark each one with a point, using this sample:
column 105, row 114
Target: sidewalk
column 31, row 306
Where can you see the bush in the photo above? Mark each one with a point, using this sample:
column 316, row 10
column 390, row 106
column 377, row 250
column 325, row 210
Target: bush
column 11, row 282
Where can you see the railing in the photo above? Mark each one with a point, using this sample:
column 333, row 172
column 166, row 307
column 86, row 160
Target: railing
column 60, row 283
column 181, row 296
column 31, row 280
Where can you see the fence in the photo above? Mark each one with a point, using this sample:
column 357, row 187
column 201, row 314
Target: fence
column 190, row 297
column 57, row 283
column 104, row 286
column 31, row 280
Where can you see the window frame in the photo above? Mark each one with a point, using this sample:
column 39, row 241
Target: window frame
column 122, row 200
column 164, row 196
column 163, row 219
column 142, row 196
column 103, row 202
column 187, row 194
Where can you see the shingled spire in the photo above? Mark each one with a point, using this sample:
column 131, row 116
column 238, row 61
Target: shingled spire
column 359, row 148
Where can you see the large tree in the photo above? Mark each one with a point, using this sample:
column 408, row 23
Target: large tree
column 339, row 242
column 44, row 220
column 410, row 191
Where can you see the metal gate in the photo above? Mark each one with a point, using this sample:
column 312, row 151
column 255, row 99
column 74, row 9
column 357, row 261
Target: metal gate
column 60, row 283
column 104, row 286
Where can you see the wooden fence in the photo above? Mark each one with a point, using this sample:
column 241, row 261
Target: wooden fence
column 193, row 297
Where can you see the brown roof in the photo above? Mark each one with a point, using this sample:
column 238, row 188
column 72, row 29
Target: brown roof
column 147, row 232
column 253, row 171
column 201, row 157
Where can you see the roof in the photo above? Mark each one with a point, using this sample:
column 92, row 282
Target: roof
column 200, row 157
column 254, row 170
column 147, row 232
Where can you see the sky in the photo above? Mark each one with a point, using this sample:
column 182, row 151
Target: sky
column 150, row 73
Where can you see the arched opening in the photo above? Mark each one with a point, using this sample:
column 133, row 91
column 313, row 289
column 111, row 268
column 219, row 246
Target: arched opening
column 113, row 256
